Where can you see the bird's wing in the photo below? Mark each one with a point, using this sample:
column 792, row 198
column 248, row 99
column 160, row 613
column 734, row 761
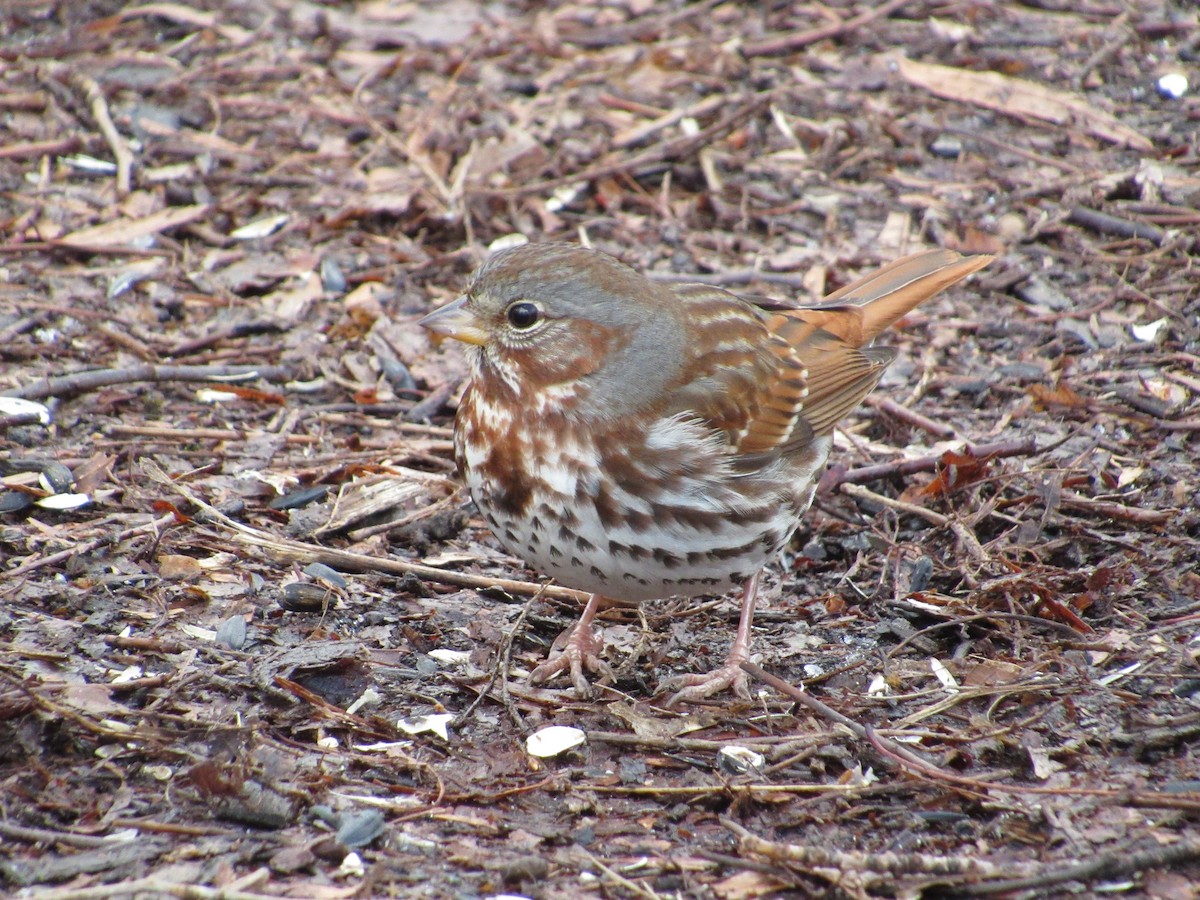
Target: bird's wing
column 772, row 380
column 739, row 378
column 831, row 340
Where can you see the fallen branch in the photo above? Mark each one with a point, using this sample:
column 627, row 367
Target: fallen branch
column 1106, row 224
column 92, row 379
column 966, row 537
column 797, row 40
column 116, row 143
column 352, row 562
column 827, row 712
column 903, row 467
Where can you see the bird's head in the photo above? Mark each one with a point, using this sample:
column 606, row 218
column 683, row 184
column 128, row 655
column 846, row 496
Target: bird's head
column 554, row 314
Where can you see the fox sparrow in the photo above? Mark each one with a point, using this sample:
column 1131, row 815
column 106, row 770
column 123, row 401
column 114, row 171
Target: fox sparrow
column 637, row 440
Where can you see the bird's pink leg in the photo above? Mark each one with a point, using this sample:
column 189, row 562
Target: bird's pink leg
column 730, row 675
column 578, row 648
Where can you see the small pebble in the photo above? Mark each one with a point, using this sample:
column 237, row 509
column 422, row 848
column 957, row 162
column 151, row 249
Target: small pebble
column 946, row 146
column 333, row 279
column 1011, row 226
column 1173, row 85
column 232, row 633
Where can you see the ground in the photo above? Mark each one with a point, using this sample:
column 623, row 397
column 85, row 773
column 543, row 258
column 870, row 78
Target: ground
column 237, row 568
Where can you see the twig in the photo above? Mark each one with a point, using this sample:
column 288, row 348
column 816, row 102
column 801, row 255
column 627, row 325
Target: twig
column 858, row 492
column 500, row 670
column 49, row 836
column 876, row 867
column 115, row 142
column 889, row 865
column 86, row 547
column 902, row 467
column 912, row 417
column 78, row 382
column 737, row 862
column 799, row 39
column 189, row 435
column 828, row 712
column 1009, row 147
column 1112, row 510
column 92, row 249
column 959, row 621
column 672, row 149
column 1106, row 224
column 39, row 148
column 639, row 133
column 966, row 538
column 1117, row 37
column 727, row 277
column 704, row 790
column 1106, row 865
column 32, row 418
column 58, row 711
column 639, row 889
column 153, row 885
column 777, row 745
column 425, row 512
column 128, row 341
column 354, row 562
column 920, row 768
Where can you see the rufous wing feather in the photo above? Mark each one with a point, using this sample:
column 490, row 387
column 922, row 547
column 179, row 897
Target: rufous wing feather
column 862, row 310
column 772, row 384
column 830, row 339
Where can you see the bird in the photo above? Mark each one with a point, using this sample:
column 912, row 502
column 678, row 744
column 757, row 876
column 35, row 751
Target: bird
column 640, row 440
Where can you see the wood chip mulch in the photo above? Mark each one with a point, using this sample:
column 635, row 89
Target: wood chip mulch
column 254, row 642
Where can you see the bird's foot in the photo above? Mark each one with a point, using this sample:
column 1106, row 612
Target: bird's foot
column 574, row 650
column 694, row 688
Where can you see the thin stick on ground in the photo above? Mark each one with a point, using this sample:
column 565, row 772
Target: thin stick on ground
column 80, row 382
column 500, row 670
column 353, row 562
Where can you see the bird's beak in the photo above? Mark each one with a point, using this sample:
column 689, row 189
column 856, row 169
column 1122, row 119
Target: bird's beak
column 454, row 320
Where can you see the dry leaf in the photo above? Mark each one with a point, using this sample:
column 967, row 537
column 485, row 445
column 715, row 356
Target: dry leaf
column 127, row 231
column 1017, row 97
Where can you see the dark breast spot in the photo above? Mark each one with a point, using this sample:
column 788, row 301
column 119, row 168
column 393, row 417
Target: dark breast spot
column 510, row 487
column 666, row 558
column 607, row 508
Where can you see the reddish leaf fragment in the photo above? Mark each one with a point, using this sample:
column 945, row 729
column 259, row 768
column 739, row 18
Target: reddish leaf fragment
column 1056, row 610
column 210, row 781
column 1060, row 395
column 165, row 506
column 955, row 471
column 254, row 394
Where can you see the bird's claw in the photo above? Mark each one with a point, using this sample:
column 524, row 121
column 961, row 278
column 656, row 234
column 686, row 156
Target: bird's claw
column 693, row 688
column 578, row 651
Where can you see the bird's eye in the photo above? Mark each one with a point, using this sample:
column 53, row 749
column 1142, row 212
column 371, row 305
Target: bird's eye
column 524, row 315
